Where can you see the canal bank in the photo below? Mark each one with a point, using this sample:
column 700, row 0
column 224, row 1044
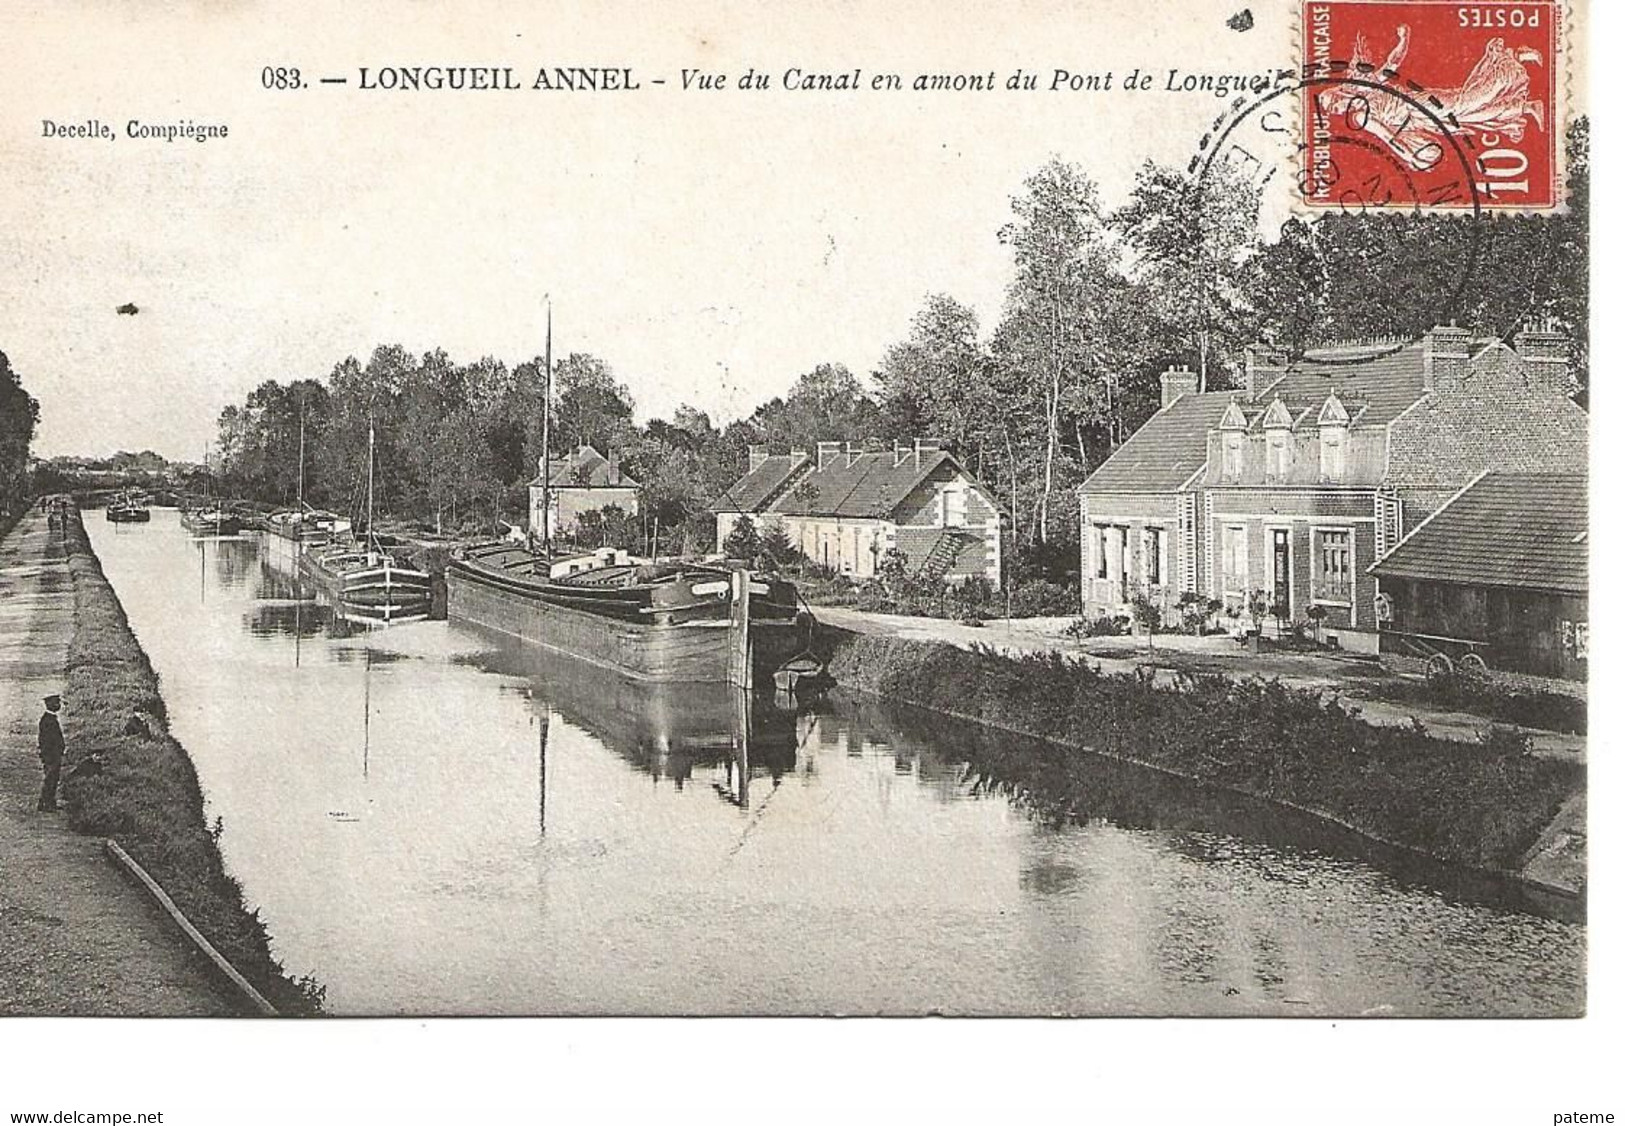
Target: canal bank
column 1492, row 808
column 76, row 937
column 128, row 780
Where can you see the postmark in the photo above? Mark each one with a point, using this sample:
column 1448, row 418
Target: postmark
column 1256, row 142
column 1396, row 84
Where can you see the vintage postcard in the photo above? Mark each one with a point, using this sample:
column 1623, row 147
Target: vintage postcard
column 831, row 510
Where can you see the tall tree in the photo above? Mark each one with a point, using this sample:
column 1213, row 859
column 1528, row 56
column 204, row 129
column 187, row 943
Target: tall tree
column 19, row 416
column 1051, row 330
column 593, row 407
column 1190, row 240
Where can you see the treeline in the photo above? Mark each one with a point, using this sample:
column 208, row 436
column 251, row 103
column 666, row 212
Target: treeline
column 1101, row 302
column 19, row 415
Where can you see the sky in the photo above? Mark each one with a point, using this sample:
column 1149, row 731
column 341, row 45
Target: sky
column 710, row 246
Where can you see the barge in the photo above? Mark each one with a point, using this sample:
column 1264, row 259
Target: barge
column 211, row 521
column 672, row 623
column 368, row 585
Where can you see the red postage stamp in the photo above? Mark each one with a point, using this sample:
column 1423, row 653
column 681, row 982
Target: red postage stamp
column 1432, row 103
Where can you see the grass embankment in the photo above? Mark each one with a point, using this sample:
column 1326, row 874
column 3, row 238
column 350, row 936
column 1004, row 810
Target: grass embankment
column 146, row 794
column 1481, row 806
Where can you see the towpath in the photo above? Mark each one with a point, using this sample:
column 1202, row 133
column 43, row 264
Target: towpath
column 1342, row 677
column 76, row 937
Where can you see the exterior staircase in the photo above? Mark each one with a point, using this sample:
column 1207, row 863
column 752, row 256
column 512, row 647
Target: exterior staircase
column 943, row 552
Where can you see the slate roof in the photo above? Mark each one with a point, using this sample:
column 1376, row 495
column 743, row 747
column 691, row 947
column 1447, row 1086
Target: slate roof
column 757, row 488
column 586, row 468
column 1163, row 454
column 872, row 485
column 1375, row 384
column 1522, row 530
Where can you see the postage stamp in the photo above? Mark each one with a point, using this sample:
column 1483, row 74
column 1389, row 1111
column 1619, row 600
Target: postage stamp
column 1393, row 86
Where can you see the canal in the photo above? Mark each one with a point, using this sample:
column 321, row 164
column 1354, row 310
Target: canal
column 435, row 819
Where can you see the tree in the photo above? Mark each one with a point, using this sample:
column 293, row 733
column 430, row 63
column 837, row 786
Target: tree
column 827, row 403
column 19, row 416
column 743, row 541
column 1050, row 333
column 593, row 408
column 777, row 549
column 936, row 383
column 1191, row 239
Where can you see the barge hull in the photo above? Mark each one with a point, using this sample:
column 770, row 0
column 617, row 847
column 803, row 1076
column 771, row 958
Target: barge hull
column 690, row 652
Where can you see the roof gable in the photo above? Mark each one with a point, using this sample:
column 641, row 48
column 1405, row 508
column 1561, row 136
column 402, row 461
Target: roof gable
column 586, row 468
column 762, row 484
column 1525, row 530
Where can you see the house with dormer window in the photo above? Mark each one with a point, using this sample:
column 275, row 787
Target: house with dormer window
column 1296, row 482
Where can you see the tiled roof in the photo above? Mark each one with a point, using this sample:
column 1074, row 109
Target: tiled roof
column 757, row 489
column 871, row 485
column 1505, row 529
column 1375, row 386
column 1162, row 454
column 586, row 468
column 865, row 485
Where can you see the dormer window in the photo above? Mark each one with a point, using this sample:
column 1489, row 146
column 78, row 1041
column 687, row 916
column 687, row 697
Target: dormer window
column 1232, row 441
column 1234, row 445
column 1334, row 437
column 1277, row 442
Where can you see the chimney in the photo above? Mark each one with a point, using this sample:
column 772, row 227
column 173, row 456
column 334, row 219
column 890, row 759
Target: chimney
column 758, row 455
column 1444, row 357
column 1265, row 364
column 1177, row 381
column 1545, row 355
column 614, row 468
column 827, row 452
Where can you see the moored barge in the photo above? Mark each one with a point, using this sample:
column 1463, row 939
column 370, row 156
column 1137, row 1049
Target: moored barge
column 667, row 623
column 368, row 585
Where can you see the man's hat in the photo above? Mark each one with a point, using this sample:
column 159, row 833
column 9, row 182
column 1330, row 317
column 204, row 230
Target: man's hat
column 53, row 699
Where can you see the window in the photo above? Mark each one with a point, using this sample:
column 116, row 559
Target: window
column 1153, row 556
column 1100, row 552
column 1235, row 560
column 1332, row 442
column 1278, row 461
column 1334, row 570
column 953, row 507
column 1233, row 445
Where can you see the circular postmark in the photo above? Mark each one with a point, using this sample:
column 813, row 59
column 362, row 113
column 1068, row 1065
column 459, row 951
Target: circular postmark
column 1362, row 207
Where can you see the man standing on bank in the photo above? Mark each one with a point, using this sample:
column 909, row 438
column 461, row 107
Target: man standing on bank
column 51, row 746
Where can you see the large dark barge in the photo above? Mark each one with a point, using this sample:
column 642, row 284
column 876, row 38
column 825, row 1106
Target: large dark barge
column 669, row 623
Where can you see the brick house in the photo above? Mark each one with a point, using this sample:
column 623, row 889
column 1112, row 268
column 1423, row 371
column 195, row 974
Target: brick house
column 1295, row 483
column 1500, row 569
column 585, row 481
column 845, row 505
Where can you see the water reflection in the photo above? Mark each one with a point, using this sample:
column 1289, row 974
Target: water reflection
column 431, row 818
column 665, row 730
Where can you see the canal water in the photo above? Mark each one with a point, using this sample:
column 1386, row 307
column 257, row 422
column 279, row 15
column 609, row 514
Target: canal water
column 436, row 819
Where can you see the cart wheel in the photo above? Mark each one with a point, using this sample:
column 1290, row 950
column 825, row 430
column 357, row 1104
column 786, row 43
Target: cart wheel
column 1439, row 666
column 1473, row 665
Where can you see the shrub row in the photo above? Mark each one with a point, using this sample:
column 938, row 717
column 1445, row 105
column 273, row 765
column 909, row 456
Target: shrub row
column 130, row 780
column 1481, row 806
